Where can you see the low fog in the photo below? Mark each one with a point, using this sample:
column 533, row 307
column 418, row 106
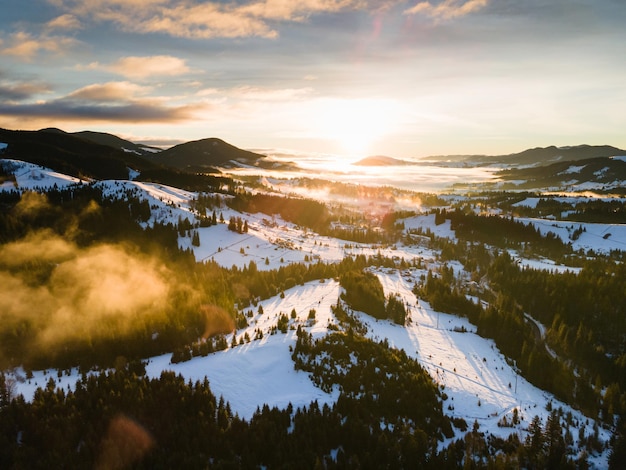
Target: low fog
column 103, row 290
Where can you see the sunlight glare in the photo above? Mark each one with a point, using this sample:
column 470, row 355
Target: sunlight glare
column 356, row 124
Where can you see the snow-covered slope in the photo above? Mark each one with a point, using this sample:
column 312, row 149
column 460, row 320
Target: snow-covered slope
column 480, row 384
column 601, row 238
column 30, row 177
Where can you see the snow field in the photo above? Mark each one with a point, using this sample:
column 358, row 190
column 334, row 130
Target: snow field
column 261, row 371
column 31, row 177
column 601, row 238
column 479, row 382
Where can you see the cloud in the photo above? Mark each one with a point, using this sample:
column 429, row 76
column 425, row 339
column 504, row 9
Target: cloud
column 217, row 320
column 286, row 10
column 44, row 247
column 162, row 142
column 188, row 19
column 108, row 281
column 209, row 19
column 31, row 204
column 128, row 102
column 263, row 94
column 133, row 112
column 447, row 9
column 10, row 91
column 65, row 22
column 204, row 21
column 112, row 101
column 107, row 92
column 144, row 67
column 25, row 46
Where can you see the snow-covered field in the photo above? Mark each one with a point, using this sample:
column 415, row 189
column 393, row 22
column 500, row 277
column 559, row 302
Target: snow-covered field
column 31, row 177
column 601, row 238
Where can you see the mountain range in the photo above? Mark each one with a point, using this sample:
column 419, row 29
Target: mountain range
column 593, row 172
column 114, row 141
column 71, row 154
column 106, row 156
column 552, row 154
column 538, row 156
column 206, row 154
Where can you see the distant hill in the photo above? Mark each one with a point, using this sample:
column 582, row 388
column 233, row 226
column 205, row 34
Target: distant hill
column 593, row 173
column 535, row 156
column 546, row 155
column 381, row 160
column 117, row 142
column 71, row 154
column 207, row 154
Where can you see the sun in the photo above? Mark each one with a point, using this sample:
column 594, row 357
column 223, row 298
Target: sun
column 355, row 124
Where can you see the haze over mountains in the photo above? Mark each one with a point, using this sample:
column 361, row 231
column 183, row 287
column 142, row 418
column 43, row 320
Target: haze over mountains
column 535, row 156
column 106, row 156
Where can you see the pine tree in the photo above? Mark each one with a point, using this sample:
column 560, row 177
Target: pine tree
column 555, row 444
column 535, row 443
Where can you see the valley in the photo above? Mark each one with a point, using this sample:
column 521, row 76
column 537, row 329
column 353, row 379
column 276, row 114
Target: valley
column 245, row 278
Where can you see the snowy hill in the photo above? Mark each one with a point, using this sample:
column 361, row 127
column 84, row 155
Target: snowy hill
column 535, row 157
column 479, row 384
column 206, row 155
column 599, row 174
column 28, row 176
column 114, row 141
column 381, row 160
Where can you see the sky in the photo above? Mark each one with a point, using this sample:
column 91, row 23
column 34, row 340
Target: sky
column 347, row 77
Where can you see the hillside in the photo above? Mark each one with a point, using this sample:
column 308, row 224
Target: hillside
column 206, row 155
column 546, row 155
column 253, row 365
column 602, row 173
column 116, row 142
column 539, row 156
column 381, row 160
column 157, row 281
column 71, row 154
column 81, row 157
column 536, row 164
